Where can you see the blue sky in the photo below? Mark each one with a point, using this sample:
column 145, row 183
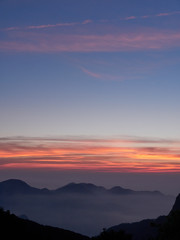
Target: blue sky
column 90, row 68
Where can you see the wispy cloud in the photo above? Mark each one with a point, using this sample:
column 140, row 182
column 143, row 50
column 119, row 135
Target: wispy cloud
column 88, row 21
column 52, row 25
column 44, row 26
column 92, row 74
column 167, row 14
column 32, row 39
column 103, row 76
column 109, row 155
column 163, row 14
column 132, row 41
column 130, row 18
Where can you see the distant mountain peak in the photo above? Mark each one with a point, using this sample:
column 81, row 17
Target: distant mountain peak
column 14, row 181
column 80, row 184
column 120, row 190
column 15, row 186
column 125, row 191
column 80, row 188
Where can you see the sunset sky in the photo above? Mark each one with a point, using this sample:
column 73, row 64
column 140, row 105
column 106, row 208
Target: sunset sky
column 90, row 87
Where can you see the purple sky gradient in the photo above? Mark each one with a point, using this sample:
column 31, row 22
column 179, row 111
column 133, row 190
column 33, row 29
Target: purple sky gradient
column 90, row 69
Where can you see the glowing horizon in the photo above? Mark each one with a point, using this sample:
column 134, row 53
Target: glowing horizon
column 99, row 155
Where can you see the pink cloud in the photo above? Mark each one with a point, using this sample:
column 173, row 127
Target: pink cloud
column 130, row 18
column 52, row 25
column 65, row 24
column 132, row 41
column 43, row 26
column 163, row 14
column 103, row 76
column 92, row 74
column 167, row 14
column 11, row 28
column 87, row 21
column 145, row 16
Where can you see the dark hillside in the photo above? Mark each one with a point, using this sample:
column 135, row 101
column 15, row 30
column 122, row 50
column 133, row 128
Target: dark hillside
column 161, row 228
column 12, row 227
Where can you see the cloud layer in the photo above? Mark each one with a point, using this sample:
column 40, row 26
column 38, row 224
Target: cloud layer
column 97, row 36
column 117, row 42
column 87, row 21
column 106, row 155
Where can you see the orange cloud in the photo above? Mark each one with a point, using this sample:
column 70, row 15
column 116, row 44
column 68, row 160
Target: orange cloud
column 113, row 155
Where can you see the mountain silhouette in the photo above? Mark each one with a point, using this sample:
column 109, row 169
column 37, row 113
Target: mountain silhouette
column 120, row 190
column 13, row 227
column 16, row 186
column 84, row 188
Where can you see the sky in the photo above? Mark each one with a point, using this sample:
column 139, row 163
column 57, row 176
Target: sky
column 90, row 87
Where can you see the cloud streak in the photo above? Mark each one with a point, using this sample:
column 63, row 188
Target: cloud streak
column 163, row 14
column 45, row 26
column 118, row 42
column 100, row 155
column 75, row 37
column 102, row 76
column 87, row 21
column 167, row 14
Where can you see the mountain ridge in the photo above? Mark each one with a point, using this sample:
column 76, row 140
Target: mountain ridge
column 16, row 186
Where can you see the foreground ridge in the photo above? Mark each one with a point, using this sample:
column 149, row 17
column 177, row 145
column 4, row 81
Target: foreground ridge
column 13, row 227
column 161, row 228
